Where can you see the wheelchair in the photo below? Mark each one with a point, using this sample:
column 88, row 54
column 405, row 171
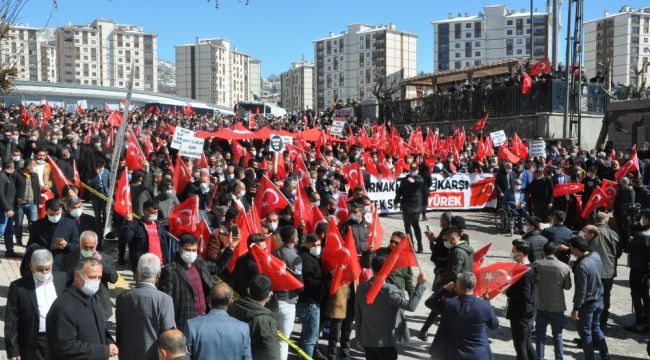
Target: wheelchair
column 506, row 221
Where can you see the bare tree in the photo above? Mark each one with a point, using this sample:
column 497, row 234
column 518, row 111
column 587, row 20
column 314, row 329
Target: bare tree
column 217, row 3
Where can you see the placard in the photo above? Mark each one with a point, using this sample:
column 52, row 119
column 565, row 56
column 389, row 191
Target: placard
column 347, row 112
column 537, row 148
column 498, row 137
column 337, row 126
column 276, row 143
column 181, row 136
column 192, row 148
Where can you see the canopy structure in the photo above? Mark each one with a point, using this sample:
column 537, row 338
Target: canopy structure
column 239, row 132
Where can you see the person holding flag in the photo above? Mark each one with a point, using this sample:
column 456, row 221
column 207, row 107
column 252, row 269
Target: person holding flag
column 402, row 277
column 309, row 300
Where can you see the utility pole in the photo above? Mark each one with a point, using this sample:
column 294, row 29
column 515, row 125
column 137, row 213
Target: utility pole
column 567, row 82
column 531, row 31
column 554, row 33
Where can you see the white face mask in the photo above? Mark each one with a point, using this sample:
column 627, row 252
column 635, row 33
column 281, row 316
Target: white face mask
column 315, row 251
column 189, row 256
column 40, row 162
column 86, row 253
column 513, row 255
column 517, row 187
column 153, row 217
column 205, row 187
column 242, row 193
column 54, row 219
column 41, row 278
column 448, row 244
column 272, row 226
column 170, row 192
column 75, row 213
column 90, row 287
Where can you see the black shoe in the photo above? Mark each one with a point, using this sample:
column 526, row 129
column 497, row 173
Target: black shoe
column 13, row 255
column 121, row 262
column 420, row 250
column 423, row 335
column 637, row 329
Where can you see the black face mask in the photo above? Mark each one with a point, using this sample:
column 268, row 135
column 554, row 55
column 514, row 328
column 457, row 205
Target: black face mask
column 331, row 211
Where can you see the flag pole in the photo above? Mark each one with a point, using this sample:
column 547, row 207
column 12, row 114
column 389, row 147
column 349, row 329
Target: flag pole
column 413, row 251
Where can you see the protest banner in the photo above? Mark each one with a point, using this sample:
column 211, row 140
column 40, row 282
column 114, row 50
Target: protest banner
column 347, row 113
column 192, row 147
column 276, row 143
column 537, row 148
column 337, row 126
column 498, row 137
column 181, row 136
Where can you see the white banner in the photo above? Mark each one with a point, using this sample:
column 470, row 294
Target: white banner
column 192, row 148
column 181, row 136
column 498, row 137
column 337, row 127
column 537, row 148
column 460, row 191
column 277, row 143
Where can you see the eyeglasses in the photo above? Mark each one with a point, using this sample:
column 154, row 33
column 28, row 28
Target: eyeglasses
column 394, row 242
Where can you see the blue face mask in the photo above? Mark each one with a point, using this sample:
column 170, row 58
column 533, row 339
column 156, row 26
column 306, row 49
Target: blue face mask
column 413, row 173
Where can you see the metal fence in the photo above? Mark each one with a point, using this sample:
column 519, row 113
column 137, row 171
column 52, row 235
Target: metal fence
column 545, row 96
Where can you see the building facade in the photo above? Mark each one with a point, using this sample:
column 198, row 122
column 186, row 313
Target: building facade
column 31, row 51
column 355, row 63
column 213, row 71
column 255, row 77
column 617, row 45
column 103, row 52
column 495, row 34
column 297, row 86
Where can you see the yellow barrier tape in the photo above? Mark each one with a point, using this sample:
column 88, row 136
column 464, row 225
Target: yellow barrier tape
column 296, row 348
column 100, row 195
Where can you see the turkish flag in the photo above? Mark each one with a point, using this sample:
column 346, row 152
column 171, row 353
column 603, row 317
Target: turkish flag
column 77, row 178
column 278, row 166
column 567, row 189
column 110, row 138
column 384, row 168
column 519, row 148
column 80, row 110
column 376, row 231
column 315, row 218
column 184, row 217
column 203, row 162
column 115, row 119
column 301, row 208
column 242, row 246
column 347, row 268
column 26, row 118
column 353, row 175
column 505, row 154
column 148, row 145
column 202, row 235
column 611, row 189
column 333, row 242
column 134, row 156
column 60, row 181
column 482, row 191
column 480, row 124
column 526, row 83
column 47, row 114
column 370, row 165
column 303, row 173
column 45, row 196
column 269, row 198
column 401, row 256
column 123, row 195
column 238, row 151
column 171, row 128
column 188, row 110
column 400, row 166
column 630, row 166
column 181, row 176
column 479, row 256
column 275, row 269
column 342, row 211
column 541, row 67
column 597, row 200
column 495, row 278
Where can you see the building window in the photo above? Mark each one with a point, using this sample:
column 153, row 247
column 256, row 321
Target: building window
column 477, row 44
column 509, row 32
column 457, row 55
column 468, row 35
column 477, row 53
column 457, row 65
column 457, row 31
column 509, row 22
column 468, row 25
column 477, row 62
column 520, row 41
column 519, row 52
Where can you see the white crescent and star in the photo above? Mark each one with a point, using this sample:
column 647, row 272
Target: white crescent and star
column 264, row 197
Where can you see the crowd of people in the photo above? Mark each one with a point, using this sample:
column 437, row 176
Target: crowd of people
column 199, row 296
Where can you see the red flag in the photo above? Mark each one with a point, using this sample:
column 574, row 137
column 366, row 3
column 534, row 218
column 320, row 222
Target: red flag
column 269, row 198
column 597, row 200
column 400, row 167
column 342, row 211
column 77, row 178
column 238, row 151
column 26, row 118
column 347, row 264
column 303, row 173
column 181, row 176
column 60, row 181
column 301, row 208
column 402, row 256
column 148, row 146
column 611, row 189
column 242, row 247
column 184, row 217
column 123, row 195
column 47, row 114
column 526, row 83
column 384, row 168
column 80, row 110
column 480, row 124
column 505, row 154
column 115, row 119
column 353, row 175
column 45, row 196
column 482, row 191
column 479, row 256
column 494, row 279
column 630, row 166
column 541, row 67
column 333, row 243
column 252, row 123
column 370, row 165
column 519, row 148
column 171, row 128
column 315, row 218
column 376, row 231
column 110, row 141
column 188, row 110
column 134, row 156
column 275, row 269
column 202, row 236
column 278, row 166
column 203, row 162
column 567, row 189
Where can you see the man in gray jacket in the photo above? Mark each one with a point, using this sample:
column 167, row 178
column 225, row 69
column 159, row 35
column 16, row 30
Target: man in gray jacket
column 377, row 323
column 143, row 313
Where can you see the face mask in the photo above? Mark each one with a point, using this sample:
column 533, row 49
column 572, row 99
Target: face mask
column 75, row 213
column 196, row 175
column 448, row 244
column 42, row 278
column 54, row 219
column 413, row 173
column 40, row 162
column 538, row 177
column 331, row 211
column 242, row 193
column 354, row 218
column 98, row 145
column 153, row 217
column 189, row 256
column 253, row 153
column 317, row 203
column 230, row 177
column 517, row 187
column 86, row 253
column 90, row 287
column 513, row 256
column 272, row 226
column 315, row 251
column 205, row 187
column 15, row 158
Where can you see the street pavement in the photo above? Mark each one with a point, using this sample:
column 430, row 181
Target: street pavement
column 480, row 227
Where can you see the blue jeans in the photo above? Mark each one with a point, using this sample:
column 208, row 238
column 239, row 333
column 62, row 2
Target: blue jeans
column 557, row 325
column 32, row 215
column 7, row 229
column 590, row 332
column 309, row 315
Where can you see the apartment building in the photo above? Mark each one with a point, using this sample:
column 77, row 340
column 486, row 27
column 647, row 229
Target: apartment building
column 618, row 44
column 297, row 86
column 31, row 51
column 103, row 52
column 352, row 64
column 497, row 33
column 214, row 71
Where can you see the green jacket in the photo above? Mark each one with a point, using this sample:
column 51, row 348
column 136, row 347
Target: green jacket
column 265, row 343
column 459, row 260
column 402, row 277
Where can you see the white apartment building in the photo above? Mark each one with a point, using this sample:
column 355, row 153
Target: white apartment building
column 350, row 64
column 621, row 40
column 255, row 77
column 31, row 51
column 103, row 52
column 213, row 71
column 497, row 33
column 297, row 86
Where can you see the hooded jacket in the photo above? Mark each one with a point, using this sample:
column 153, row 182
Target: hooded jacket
column 264, row 339
column 458, row 261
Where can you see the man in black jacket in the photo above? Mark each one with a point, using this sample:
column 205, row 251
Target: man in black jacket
column 540, row 195
column 313, row 293
column 534, row 238
column 409, row 194
column 7, row 206
column 146, row 235
column 625, row 197
column 28, row 196
column 74, row 325
column 560, row 234
column 245, row 266
column 25, row 334
column 359, row 227
column 85, row 222
column 522, row 303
